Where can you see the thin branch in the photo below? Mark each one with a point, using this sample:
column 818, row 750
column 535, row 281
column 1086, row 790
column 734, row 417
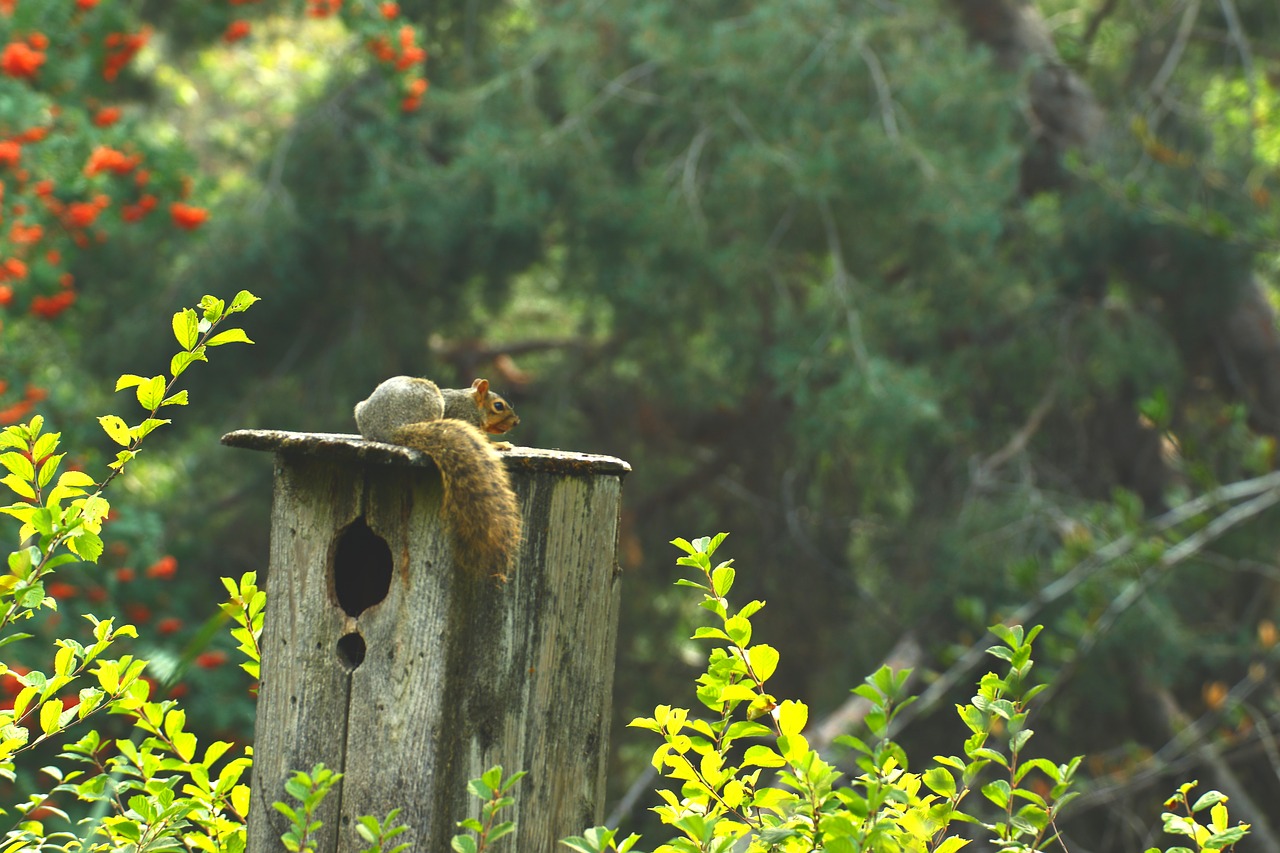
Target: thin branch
column 905, row 654
column 689, row 178
column 1241, row 42
column 1174, row 56
column 622, row 811
column 1095, row 23
column 1261, row 835
column 883, row 94
column 1176, row 757
column 1100, row 560
column 1020, row 439
column 1220, row 525
column 1266, row 737
column 841, row 282
column 612, row 89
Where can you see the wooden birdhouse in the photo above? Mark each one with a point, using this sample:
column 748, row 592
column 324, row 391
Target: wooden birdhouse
column 387, row 662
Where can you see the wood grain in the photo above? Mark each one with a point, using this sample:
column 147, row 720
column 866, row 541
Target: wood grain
column 458, row 673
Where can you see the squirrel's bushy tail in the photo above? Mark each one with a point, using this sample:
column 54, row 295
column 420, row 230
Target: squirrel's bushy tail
column 479, row 506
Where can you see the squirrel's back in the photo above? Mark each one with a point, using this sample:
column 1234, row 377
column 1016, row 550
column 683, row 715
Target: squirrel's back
column 395, row 402
column 479, row 505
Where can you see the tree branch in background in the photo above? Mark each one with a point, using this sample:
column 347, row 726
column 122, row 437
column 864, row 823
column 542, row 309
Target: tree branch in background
column 1264, row 491
column 905, row 654
column 1191, row 736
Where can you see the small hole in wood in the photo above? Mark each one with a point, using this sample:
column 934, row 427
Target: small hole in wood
column 361, row 568
column 351, row 650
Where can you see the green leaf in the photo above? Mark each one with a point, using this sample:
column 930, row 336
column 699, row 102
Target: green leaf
column 578, row 843
column 86, row 545
column 181, row 361
column 940, row 781
column 1222, row 840
column 1207, row 799
column 761, row 756
column 722, row 580
column 186, row 328
column 230, row 336
column 997, row 792
column 501, row 829
column 19, row 486
column 213, row 308
column 64, row 662
column 738, row 629
column 179, row 399
column 764, row 661
column 123, row 458
column 129, row 380
column 746, row 728
column 49, row 713
column 75, row 479
column 19, row 464
column 45, row 445
column 147, row 427
column 116, row 428
column 242, row 301
column 463, row 844
column 48, row 469
column 184, row 743
column 151, row 393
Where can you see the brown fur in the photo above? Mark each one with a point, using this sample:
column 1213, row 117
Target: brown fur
column 479, row 506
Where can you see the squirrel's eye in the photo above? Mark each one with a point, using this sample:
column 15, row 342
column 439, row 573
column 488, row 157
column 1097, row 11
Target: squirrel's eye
column 499, row 406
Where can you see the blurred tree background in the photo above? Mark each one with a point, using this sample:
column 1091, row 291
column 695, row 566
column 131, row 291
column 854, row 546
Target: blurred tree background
column 950, row 310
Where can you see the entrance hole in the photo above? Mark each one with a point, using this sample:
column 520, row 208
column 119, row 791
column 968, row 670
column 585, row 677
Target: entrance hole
column 361, row 569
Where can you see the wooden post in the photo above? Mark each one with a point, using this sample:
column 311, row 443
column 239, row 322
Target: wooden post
column 390, row 664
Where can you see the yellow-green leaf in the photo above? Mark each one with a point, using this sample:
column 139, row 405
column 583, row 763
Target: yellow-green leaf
column 108, row 673
column 49, row 468
column 242, row 301
column 75, row 479
column 230, row 336
column 792, row 717
column 240, row 800
column 19, row 464
column 151, row 393
column 185, row 744
column 23, row 701
column 116, row 428
column 186, row 328
column 763, row 660
column 64, row 662
column 19, row 486
column 49, row 713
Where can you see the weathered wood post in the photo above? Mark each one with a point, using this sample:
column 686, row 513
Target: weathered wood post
column 387, row 662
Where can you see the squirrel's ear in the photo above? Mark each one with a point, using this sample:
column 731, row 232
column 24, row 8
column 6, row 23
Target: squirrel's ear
column 481, row 388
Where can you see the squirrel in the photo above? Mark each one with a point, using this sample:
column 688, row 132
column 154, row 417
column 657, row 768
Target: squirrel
column 450, row 425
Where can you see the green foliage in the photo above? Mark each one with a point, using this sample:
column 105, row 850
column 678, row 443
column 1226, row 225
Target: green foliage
column 379, row 834
column 246, row 606
column 159, row 790
column 309, row 789
column 784, row 252
column 781, row 795
column 494, row 793
column 1216, row 834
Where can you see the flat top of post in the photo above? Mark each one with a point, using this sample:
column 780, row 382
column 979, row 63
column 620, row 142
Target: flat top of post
column 354, row 448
